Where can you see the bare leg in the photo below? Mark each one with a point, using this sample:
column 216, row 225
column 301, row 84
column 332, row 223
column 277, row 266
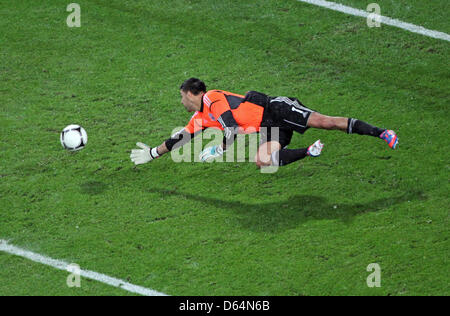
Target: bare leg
column 349, row 125
column 321, row 121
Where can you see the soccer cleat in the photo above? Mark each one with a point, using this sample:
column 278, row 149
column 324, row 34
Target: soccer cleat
column 315, row 149
column 390, row 137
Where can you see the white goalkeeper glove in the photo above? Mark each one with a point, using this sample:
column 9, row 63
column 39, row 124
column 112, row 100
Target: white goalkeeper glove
column 144, row 155
column 211, row 153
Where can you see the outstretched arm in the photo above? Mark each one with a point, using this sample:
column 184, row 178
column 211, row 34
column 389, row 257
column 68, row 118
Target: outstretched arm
column 147, row 153
column 162, row 149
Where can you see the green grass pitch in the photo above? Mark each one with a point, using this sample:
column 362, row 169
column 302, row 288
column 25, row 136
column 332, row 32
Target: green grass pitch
column 311, row 228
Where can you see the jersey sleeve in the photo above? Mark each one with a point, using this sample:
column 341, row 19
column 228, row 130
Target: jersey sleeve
column 220, row 109
column 185, row 135
column 195, row 124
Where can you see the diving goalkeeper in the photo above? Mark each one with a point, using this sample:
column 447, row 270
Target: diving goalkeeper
column 255, row 112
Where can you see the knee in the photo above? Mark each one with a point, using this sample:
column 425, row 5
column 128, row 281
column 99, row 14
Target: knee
column 262, row 161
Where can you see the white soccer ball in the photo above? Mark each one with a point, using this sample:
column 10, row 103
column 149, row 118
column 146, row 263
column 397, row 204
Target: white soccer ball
column 73, row 137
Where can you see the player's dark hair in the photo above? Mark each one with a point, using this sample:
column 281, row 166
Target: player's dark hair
column 193, row 85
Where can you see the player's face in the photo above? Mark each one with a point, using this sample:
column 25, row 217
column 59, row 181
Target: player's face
column 187, row 99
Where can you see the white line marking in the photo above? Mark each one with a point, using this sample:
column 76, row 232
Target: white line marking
column 384, row 19
column 61, row 265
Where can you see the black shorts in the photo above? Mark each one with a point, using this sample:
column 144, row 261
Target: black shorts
column 284, row 115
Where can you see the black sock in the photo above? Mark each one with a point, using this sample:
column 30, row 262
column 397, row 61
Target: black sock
column 362, row 128
column 285, row 156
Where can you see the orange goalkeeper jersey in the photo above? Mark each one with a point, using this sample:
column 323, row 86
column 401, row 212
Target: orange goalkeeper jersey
column 216, row 103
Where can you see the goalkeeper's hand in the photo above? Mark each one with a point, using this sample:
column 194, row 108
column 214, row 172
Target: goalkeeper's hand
column 211, row 153
column 144, row 155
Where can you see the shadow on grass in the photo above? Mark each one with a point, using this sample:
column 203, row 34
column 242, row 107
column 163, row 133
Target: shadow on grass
column 93, row 187
column 283, row 215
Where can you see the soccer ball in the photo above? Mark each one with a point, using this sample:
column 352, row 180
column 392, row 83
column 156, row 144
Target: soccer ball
column 73, row 137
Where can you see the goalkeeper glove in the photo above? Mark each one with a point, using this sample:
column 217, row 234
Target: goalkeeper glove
column 144, row 155
column 211, row 153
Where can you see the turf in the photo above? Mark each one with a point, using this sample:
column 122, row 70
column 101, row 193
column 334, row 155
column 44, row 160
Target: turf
column 429, row 14
column 311, row 228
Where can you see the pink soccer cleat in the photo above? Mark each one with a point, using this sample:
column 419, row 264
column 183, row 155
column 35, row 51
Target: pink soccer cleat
column 390, row 137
